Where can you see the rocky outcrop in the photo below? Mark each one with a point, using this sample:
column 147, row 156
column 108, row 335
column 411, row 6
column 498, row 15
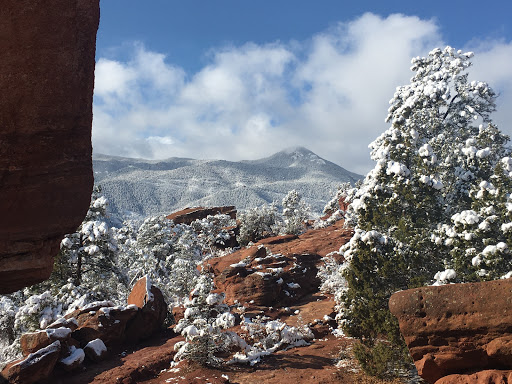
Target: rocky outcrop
column 278, row 270
column 458, row 328
column 46, row 77
column 107, row 323
column 483, row 377
column 88, row 332
column 35, row 367
column 188, row 215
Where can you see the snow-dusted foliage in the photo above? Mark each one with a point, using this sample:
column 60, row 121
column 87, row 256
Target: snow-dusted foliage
column 295, row 213
column 336, row 207
column 479, row 239
column 338, row 200
column 88, row 257
column 99, row 263
column 169, row 254
column 9, row 349
column 440, row 143
column 205, row 318
column 266, row 336
column 332, row 281
column 266, row 221
column 257, row 223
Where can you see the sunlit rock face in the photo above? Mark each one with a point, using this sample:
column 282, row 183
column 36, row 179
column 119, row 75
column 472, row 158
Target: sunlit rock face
column 47, row 79
column 457, row 329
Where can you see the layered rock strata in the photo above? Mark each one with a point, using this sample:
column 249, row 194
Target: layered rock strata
column 47, row 79
column 457, row 329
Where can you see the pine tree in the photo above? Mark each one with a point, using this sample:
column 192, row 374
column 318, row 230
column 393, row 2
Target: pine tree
column 295, row 213
column 88, row 257
column 421, row 178
column 257, row 223
column 480, row 238
column 205, row 317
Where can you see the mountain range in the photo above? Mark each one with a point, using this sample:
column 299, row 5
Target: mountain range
column 137, row 188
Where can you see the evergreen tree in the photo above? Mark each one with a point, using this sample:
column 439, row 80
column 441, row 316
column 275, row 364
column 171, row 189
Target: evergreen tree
column 205, row 317
column 257, row 223
column 422, row 177
column 88, row 257
column 480, row 238
column 295, row 213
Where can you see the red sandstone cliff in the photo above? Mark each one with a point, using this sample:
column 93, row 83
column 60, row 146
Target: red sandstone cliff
column 47, row 79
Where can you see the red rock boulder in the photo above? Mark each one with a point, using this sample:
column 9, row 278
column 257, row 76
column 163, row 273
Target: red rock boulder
column 152, row 310
column 35, row 367
column 47, row 78
column 33, row 342
column 457, row 328
column 107, row 323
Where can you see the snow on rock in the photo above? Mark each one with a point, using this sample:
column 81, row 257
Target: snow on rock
column 95, row 350
column 74, row 360
column 444, row 276
column 35, row 367
column 150, row 296
column 60, row 333
column 97, row 305
column 70, row 323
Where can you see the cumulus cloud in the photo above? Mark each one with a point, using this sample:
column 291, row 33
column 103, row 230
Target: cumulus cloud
column 329, row 94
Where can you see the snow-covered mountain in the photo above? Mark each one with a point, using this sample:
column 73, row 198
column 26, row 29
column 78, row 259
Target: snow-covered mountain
column 146, row 187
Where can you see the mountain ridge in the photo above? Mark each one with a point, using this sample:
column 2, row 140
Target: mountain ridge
column 139, row 187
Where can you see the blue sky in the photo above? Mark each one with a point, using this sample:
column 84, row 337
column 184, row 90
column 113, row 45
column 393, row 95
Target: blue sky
column 243, row 79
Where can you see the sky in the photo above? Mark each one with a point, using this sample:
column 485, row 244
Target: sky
column 241, row 80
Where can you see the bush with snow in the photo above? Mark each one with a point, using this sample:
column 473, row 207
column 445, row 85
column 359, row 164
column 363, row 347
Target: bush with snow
column 257, row 223
column 205, row 318
column 266, row 336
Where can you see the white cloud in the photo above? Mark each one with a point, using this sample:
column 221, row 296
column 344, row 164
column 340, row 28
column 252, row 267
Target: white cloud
column 329, row 94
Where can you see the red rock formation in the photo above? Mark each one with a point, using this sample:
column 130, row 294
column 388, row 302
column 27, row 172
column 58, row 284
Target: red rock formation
column 278, row 270
column 106, row 323
column 32, row 342
column 35, row 367
column 188, row 215
column 46, row 77
column 483, row 377
column 152, row 313
column 458, row 328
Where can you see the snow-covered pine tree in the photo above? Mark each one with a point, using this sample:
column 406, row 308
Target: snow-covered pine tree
column 89, row 256
column 257, row 223
column 205, row 317
column 480, row 238
column 295, row 213
column 421, row 178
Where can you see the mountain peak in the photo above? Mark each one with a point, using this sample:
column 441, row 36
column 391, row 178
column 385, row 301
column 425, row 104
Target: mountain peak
column 296, row 149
